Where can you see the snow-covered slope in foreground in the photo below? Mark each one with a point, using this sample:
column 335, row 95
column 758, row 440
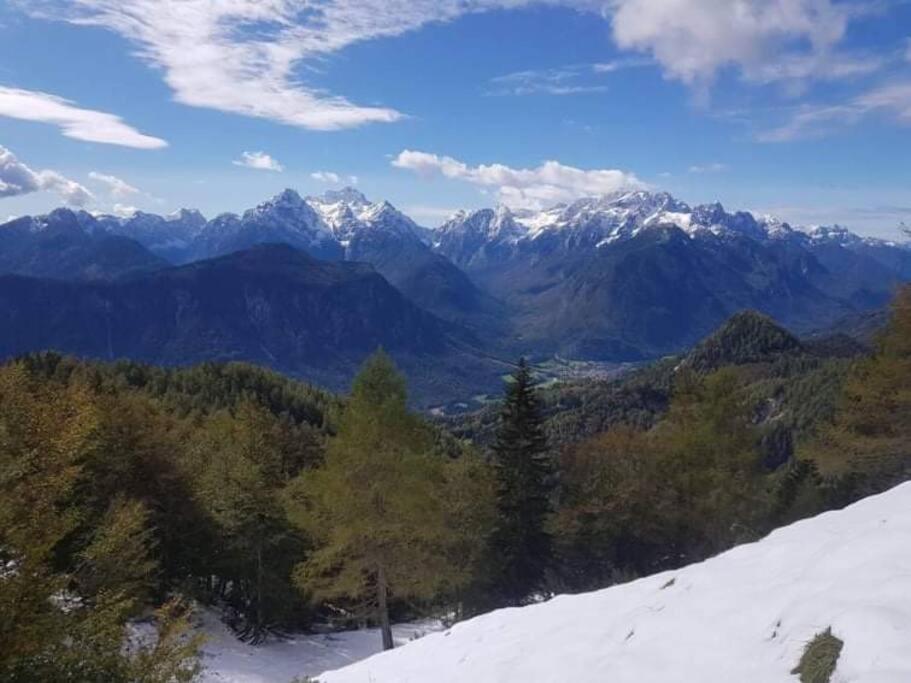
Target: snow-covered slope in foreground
column 743, row 616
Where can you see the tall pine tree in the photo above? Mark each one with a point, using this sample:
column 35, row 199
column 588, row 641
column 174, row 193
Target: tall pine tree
column 524, row 468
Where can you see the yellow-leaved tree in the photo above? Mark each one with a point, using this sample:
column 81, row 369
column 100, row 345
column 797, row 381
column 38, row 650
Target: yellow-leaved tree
column 379, row 508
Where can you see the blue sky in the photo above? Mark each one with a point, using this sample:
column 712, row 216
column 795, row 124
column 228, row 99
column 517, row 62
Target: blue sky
column 796, row 107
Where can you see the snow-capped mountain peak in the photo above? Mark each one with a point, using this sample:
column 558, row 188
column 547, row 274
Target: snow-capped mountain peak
column 189, row 217
column 348, row 212
column 833, row 233
column 286, row 211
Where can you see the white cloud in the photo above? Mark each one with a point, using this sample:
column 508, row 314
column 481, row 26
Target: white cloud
column 246, row 56
column 77, row 123
column 17, row 179
column 326, row 177
column 572, row 79
column 259, row 161
column 116, row 186
column 894, row 98
column 813, row 121
column 560, row 81
column 333, row 178
column 768, row 40
column 713, row 167
column 548, row 184
column 241, row 56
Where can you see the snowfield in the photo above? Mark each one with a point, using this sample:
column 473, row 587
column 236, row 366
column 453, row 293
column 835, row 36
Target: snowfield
column 744, row 616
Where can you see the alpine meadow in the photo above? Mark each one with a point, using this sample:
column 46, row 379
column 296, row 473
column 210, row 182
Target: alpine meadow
column 503, row 341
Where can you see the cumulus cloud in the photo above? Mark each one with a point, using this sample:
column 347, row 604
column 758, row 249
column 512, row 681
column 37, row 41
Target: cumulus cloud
column 73, row 121
column 768, row 40
column 333, row 178
column 116, row 186
column 259, row 161
column 326, row 177
column 16, row 179
column 548, row 184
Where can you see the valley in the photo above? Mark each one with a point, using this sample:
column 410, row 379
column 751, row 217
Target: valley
column 605, row 282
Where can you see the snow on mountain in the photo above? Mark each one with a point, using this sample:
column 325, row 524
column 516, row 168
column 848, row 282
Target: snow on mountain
column 329, row 222
column 600, row 221
column 290, row 212
column 743, row 616
column 348, row 213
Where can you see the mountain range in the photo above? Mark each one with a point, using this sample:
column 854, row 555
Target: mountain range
column 622, row 277
column 641, row 274
column 270, row 304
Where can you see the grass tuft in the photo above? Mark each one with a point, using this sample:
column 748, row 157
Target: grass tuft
column 819, row 658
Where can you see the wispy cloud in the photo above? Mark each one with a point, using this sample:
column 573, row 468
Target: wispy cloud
column 116, row 186
column 241, row 56
column 245, row 56
column 713, row 167
column 259, row 161
column 549, row 183
column 73, row 121
column 814, row 121
column 16, row 179
column 572, row 79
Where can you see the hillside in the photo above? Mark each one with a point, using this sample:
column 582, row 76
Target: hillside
column 789, row 384
column 271, row 305
column 743, row 616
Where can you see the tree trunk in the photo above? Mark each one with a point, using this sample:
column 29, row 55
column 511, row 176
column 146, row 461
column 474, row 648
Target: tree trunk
column 259, row 587
column 382, row 609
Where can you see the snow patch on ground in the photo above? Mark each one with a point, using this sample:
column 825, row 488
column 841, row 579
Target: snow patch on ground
column 743, row 616
column 228, row 660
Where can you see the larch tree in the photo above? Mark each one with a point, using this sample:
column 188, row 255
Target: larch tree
column 375, row 509
column 867, row 447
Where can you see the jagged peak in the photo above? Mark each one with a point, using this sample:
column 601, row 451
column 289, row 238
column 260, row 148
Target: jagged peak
column 194, row 216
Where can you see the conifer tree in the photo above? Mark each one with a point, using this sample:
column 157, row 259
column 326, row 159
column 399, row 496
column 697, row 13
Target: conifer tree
column 524, row 472
column 65, row 599
column 375, row 508
column 241, row 470
column 867, row 447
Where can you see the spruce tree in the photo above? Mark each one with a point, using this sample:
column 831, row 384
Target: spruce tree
column 524, row 472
